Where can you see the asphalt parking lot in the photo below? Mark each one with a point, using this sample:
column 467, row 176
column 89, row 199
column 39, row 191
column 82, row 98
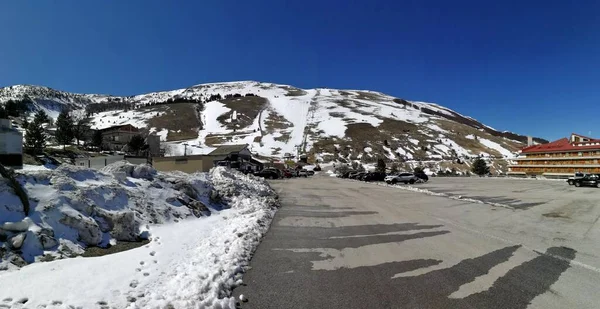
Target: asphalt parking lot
column 347, row 244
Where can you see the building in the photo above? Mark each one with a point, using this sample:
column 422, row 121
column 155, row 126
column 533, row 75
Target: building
column 11, row 145
column 102, row 161
column 231, row 156
column 115, row 138
column 560, row 158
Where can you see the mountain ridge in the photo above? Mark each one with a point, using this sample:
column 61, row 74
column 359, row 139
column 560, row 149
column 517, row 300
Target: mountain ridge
column 275, row 119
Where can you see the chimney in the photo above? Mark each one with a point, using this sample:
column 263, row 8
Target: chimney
column 529, row 141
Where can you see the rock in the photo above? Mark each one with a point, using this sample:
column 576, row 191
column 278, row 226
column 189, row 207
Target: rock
column 47, row 241
column 215, row 196
column 243, row 298
column 125, row 227
column 186, row 188
column 87, row 229
column 21, row 226
column 15, row 259
column 143, row 171
column 32, row 247
column 121, row 225
column 16, row 242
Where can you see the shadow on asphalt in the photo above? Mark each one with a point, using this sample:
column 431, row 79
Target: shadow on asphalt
column 289, row 285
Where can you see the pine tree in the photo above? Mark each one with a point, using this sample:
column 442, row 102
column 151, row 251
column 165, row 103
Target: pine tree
column 418, row 170
column 64, row 129
column 480, row 167
column 80, row 130
column 137, row 144
column 380, row 165
column 97, row 139
column 41, row 117
column 35, row 138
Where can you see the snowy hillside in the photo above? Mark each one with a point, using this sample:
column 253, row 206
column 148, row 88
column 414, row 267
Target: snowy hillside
column 328, row 124
column 202, row 228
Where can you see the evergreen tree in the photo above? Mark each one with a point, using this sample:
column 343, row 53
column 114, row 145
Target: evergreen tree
column 394, row 168
column 80, row 130
column 24, row 122
column 41, row 117
column 418, row 170
column 64, row 129
column 97, row 139
column 35, row 138
column 12, row 108
column 137, row 144
column 480, row 167
column 380, row 166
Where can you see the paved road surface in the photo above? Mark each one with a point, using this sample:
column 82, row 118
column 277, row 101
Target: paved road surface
column 344, row 244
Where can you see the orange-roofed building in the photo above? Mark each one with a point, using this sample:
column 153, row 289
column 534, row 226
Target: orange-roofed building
column 563, row 157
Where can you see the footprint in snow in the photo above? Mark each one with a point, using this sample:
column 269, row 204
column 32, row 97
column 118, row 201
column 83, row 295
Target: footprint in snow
column 23, row 300
column 142, row 262
column 56, row 302
column 138, row 269
column 146, row 274
column 133, row 284
column 7, row 300
column 155, row 262
column 3, row 306
column 152, row 253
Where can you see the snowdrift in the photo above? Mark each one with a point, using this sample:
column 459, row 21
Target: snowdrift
column 73, row 208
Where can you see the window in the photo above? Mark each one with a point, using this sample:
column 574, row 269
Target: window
column 580, row 153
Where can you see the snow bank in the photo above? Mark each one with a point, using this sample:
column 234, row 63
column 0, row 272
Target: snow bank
column 191, row 263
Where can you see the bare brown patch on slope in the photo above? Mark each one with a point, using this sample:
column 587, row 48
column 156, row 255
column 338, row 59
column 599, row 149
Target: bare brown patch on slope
column 179, row 118
column 247, row 109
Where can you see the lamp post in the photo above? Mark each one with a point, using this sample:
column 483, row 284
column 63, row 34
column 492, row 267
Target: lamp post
column 185, row 149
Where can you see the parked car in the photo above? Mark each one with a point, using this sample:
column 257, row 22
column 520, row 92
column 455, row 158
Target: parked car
column 310, row 173
column 374, row 176
column 357, row 175
column 589, row 180
column 571, row 180
column 287, row 174
column 303, row 173
column 345, row 174
column 402, row 177
column 268, row 173
column 422, row 176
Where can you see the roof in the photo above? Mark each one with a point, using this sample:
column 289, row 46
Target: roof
column 564, row 144
column 126, row 127
column 227, row 149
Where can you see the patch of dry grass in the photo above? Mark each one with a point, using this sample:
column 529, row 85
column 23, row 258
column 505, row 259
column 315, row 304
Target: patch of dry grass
column 247, row 109
column 179, row 118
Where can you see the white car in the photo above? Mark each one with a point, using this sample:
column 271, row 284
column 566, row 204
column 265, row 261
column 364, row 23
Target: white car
column 303, row 173
column 402, row 177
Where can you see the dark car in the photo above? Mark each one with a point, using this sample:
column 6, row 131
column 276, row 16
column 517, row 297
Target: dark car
column 374, row 176
column 590, row 180
column 268, row 173
column 422, row 176
column 345, row 174
column 357, row 176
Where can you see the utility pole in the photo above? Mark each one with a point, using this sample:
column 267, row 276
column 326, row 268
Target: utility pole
column 185, row 149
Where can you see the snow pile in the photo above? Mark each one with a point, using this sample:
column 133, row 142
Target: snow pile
column 192, row 263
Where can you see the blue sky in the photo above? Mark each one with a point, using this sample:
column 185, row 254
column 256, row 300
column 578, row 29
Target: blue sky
column 532, row 67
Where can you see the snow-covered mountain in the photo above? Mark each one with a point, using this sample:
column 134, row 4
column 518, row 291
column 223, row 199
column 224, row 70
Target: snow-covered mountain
column 330, row 124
